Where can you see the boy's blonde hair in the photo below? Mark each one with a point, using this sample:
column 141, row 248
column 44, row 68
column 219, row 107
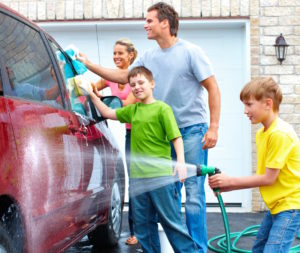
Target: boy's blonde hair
column 260, row 88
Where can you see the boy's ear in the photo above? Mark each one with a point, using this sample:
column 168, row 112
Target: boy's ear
column 152, row 84
column 269, row 103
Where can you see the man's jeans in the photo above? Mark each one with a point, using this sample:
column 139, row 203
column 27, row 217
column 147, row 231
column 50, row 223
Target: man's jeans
column 195, row 204
column 277, row 232
column 161, row 202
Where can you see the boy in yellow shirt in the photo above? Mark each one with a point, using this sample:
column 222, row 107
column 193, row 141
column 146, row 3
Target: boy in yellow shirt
column 278, row 168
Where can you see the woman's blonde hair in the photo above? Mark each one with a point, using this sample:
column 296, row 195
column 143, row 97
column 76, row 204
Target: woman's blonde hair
column 260, row 88
column 129, row 46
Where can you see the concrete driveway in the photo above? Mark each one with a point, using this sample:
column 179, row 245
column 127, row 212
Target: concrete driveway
column 237, row 222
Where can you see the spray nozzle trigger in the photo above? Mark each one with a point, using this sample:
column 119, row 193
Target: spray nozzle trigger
column 203, row 170
column 217, row 171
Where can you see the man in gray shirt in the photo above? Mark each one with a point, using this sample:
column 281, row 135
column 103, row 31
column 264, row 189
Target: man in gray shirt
column 181, row 72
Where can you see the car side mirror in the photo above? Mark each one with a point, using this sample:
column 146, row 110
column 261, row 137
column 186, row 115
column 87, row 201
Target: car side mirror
column 111, row 101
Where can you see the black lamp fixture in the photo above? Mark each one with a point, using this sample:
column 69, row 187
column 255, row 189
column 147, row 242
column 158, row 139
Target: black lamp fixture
column 280, row 48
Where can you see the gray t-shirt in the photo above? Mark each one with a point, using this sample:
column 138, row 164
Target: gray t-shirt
column 178, row 72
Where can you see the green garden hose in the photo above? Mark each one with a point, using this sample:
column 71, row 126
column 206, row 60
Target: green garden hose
column 225, row 221
column 224, row 241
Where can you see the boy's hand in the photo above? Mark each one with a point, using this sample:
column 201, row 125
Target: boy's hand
column 181, row 170
column 86, row 86
column 221, row 181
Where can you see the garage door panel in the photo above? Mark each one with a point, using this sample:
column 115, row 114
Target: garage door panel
column 226, row 50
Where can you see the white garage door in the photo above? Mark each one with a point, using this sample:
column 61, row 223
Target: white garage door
column 225, row 42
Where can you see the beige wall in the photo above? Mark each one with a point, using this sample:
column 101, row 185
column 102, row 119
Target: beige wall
column 268, row 19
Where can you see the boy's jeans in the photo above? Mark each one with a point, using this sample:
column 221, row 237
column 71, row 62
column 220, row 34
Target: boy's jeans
column 195, row 204
column 277, row 232
column 161, row 202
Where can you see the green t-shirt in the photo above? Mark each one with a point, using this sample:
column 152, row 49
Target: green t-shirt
column 153, row 126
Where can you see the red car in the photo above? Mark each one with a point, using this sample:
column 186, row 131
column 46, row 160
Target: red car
column 61, row 172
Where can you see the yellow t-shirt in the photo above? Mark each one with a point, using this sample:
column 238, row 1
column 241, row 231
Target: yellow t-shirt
column 279, row 148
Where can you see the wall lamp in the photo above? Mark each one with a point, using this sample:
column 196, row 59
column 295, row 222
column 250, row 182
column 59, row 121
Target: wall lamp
column 280, row 48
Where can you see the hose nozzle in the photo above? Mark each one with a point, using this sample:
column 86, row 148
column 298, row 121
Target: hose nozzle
column 203, row 170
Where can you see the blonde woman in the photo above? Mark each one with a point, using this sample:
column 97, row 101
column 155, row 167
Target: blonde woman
column 124, row 55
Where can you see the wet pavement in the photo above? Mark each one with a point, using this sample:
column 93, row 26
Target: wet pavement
column 84, row 245
column 237, row 222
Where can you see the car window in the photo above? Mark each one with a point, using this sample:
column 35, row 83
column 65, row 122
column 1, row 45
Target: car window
column 27, row 63
column 79, row 103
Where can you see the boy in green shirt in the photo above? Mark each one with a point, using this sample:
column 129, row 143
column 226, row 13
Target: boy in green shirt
column 153, row 127
column 278, row 168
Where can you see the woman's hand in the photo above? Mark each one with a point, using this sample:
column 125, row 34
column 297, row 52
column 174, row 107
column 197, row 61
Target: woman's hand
column 96, row 91
column 85, row 86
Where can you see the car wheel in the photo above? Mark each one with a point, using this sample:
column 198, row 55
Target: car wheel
column 11, row 228
column 109, row 234
column 6, row 243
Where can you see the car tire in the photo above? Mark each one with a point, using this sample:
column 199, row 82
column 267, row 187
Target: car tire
column 6, row 243
column 11, row 228
column 108, row 235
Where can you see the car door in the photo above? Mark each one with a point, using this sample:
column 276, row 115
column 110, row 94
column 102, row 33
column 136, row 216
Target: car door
column 95, row 146
column 48, row 138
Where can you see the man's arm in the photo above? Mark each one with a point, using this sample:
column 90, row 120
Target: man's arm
column 226, row 183
column 113, row 75
column 180, row 167
column 214, row 103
